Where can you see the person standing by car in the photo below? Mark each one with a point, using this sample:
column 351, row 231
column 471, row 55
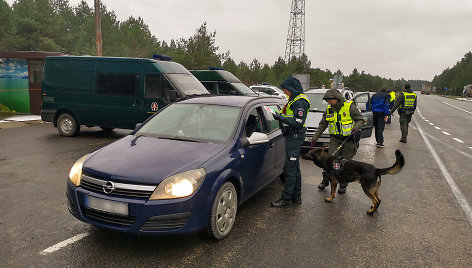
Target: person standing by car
column 292, row 116
column 406, row 104
column 390, row 105
column 379, row 103
column 344, row 121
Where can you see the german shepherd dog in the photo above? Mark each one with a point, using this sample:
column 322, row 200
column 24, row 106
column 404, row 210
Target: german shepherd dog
column 368, row 175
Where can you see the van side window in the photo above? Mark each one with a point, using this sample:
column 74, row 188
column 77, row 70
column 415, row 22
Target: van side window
column 117, row 84
column 154, row 86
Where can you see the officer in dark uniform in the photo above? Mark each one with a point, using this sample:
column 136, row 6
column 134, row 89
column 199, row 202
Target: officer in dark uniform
column 406, row 104
column 292, row 117
column 344, row 121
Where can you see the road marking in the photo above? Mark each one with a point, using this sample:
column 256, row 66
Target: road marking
column 431, row 124
column 457, row 107
column 456, row 139
column 64, row 243
column 446, row 133
column 446, row 144
column 455, row 189
column 426, row 120
column 470, row 148
column 437, row 127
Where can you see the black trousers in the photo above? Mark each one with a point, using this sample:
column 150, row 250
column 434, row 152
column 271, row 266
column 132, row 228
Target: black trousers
column 379, row 126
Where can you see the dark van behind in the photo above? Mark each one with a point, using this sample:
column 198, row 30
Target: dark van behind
column 110, row 92
column 222, row 82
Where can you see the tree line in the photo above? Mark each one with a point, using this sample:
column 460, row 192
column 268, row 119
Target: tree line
column 55, row 25
column 452, row 80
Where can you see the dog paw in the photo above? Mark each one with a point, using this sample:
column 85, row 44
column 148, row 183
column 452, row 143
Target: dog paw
column 328, row 199
column 370, row 212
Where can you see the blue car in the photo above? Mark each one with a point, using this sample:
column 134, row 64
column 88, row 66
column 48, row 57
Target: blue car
column 185, row 169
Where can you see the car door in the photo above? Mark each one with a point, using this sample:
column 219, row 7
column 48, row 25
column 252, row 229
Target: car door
column 362, row 102
column 276, row 138
column 258, row 160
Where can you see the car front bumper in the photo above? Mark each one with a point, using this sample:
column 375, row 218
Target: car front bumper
column 157, row 217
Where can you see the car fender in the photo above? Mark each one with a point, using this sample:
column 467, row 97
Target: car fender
column 219, row 181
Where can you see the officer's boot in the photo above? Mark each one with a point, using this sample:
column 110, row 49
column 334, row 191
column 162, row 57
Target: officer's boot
column 297, row 199
column 282, row 203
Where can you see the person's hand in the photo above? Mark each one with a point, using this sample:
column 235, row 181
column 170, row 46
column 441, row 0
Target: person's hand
column 386, row 118
column 312, row 144
column 276, row 116
column 354, row 131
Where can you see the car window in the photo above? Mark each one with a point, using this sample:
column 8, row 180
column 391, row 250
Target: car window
column 272, row 123
column 202, row 122
column 154, row 86
column 187, row 84
column 117, row 84
column 226, row 89
column 361, row 101
column 243, row 89
column 316, row 101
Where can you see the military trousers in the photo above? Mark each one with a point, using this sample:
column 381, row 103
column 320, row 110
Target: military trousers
column 405, row 119
column 293, row 176
column 348, row 151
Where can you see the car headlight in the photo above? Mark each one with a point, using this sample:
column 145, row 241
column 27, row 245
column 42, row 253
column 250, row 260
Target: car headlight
column 179, row 185
column 76, row 171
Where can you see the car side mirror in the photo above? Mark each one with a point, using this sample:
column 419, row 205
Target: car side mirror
column 172, row 95
column 257, row 138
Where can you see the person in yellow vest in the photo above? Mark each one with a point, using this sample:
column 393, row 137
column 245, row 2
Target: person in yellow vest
column 344, row 121
column 406, row 104
column 292, row 116
column 392, row 102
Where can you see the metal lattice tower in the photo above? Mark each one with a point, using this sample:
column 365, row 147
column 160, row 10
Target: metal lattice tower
column 296, row 31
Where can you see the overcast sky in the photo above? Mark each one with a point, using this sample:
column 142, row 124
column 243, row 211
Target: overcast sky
column 413, row 39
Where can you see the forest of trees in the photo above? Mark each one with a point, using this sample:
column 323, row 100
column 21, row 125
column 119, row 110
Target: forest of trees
column 455, row 78
column 56, row 25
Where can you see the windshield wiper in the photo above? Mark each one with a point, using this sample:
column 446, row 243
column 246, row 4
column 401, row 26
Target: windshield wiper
column 133, row 141
column 178, row 139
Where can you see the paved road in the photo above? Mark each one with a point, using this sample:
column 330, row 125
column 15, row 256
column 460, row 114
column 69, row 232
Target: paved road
column 420, row 221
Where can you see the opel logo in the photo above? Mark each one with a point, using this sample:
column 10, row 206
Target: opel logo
column 108, row 187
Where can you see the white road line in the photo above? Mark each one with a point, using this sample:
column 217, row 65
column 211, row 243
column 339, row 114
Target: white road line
column 457, row 107
column 452, row 184
column 437, row 127
column 446, row 144
column 64, row 243
column 470, row 148
column 431, row 124
column 426, row 120
column 456, row 139
column 446, row 133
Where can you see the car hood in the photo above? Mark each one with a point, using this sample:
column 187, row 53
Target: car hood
column 149, row 160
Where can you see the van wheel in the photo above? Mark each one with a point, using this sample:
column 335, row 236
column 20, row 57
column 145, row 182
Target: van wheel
column 107, row 129
column 67, row 125
column 223, row 212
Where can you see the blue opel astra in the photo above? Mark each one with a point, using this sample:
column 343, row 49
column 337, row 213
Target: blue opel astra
column 185, row 169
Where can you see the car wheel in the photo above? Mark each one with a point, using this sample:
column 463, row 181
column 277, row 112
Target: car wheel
column 67, row 125
column 107, row 129
column 223, row 212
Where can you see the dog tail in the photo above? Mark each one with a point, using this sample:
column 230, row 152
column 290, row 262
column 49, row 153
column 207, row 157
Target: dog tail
column 399, row 163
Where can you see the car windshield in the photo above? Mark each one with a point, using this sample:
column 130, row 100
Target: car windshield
column 187, row 84
column 244, row 89
column 316, row 102
column 193, row 122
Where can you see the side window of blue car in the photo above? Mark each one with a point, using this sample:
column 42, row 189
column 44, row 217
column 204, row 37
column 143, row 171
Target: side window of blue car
column 273, row 124
column 256, row 122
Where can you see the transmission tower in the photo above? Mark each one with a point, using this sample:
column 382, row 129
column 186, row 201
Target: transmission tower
column 296, row 31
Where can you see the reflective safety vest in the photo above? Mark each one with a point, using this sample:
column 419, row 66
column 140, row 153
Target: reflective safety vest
column 409, row 100
column 340, row 123
column 392, row 96
column 287, row 111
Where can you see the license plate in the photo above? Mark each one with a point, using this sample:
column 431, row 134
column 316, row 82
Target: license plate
column 106, row 205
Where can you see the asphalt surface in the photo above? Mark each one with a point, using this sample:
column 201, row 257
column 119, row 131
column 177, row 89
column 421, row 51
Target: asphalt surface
column 421, row 221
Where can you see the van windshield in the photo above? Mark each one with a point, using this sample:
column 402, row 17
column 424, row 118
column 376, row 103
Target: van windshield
column 187, row 84
column 244, row 89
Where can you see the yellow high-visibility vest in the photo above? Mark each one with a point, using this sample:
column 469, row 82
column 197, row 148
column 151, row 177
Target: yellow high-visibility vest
column 409, row 100
column 287, row 112
column 344, row 118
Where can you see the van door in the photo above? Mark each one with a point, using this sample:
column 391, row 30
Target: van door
column 157, row 94
column 362, row 101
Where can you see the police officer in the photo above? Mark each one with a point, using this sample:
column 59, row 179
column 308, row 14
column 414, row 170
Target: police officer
column 344, row 121
column 292, row 117
column 406, row 104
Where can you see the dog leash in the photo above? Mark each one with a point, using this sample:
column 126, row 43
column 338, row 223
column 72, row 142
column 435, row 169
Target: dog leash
column 340, row 146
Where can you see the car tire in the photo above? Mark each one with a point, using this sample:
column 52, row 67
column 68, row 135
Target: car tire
column 223, row 212
column 107, row 129
column 67, row 125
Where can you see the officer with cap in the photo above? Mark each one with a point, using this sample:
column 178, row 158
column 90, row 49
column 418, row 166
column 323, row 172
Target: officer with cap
column 292, row 117
column 344, row 121
column 406, row 104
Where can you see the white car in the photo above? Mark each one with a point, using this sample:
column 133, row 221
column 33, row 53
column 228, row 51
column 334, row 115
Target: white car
column 269, row 90
column 346, row 92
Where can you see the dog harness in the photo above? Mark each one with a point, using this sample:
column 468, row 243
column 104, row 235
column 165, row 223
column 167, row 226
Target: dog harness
column 338, row 166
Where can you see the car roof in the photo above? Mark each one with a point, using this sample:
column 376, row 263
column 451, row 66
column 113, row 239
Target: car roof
column 317, row 90
column 235, row 101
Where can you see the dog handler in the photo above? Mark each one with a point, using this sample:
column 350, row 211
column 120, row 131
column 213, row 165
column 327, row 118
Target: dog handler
column 293, row 117
column 406, row 104
column 344, row 121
